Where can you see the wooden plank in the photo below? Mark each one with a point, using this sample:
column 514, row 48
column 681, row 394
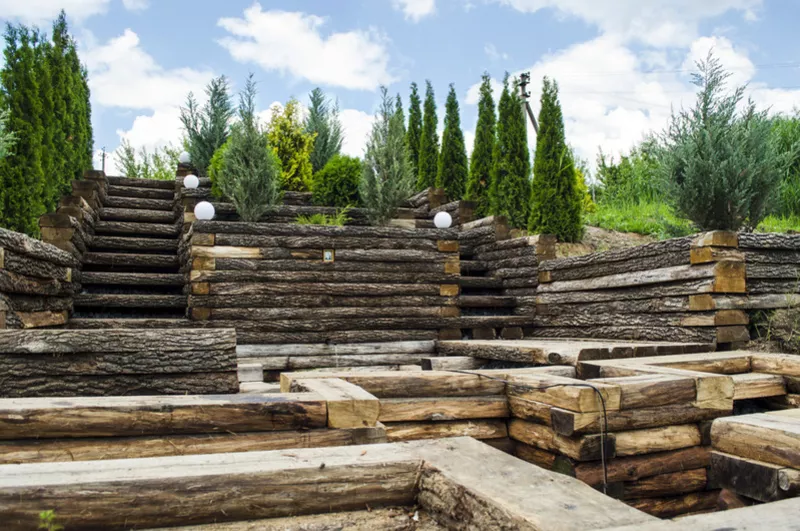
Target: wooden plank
column 652, row 390
column 784, row 364
column 586, row 448
column 477, row 429
column 673, row 506
column 636, row 279
column 566, row 393
column 757, row 385
column 669, row 484
column 439, row 409
column 325, row 349
column 746, row 477
column 769, row 438
column 452, row 363
column 536, row 456
column 129, row 416
column 642, row 466
column 349, row 406
column 654, row 440
column 293, row 363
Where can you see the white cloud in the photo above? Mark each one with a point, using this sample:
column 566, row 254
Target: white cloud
column 415, row 10
column 357, row 126
column 474, row 92
column 654, row 22
column 122, row 74
column 136, row 5
column 740, row 67
column 44, row 11
column 493, row 54
column 293, row 43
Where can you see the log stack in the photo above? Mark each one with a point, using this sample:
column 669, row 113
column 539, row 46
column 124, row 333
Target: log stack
column 117, row 362
column 37, row 282
column 295, row 284
column 659, row 291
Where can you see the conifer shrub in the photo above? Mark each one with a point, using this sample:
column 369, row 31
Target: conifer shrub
column 7, row 138
column 428, row 143
column 293, row 145
column 387, row 179
column 556, row 204
column 480, row 167
column 250, row 172
column 207, row 128
column 337, row 183
column 720, row 162
column 453, row 166
column 323, row 122
column 414, row 130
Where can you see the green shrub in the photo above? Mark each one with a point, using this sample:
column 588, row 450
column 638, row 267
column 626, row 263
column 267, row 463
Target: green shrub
column 648, row 218
column 207, row 128
column 250, row 170
column 323, row 122
column 293, row 146
column 215, row 168
column 159, row 165
column 339, row 220
column 721, row 163
column 337, row 183
column 47, row 521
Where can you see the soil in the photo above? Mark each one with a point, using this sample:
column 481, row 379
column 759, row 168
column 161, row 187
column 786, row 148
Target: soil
column 597, row 240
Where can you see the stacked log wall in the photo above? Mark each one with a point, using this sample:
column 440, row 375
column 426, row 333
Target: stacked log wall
column 37, row 282
column 117, row 362
column 270, row 281
column 659, row 291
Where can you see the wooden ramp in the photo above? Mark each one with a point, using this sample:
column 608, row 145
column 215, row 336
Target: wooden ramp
column 564, row 351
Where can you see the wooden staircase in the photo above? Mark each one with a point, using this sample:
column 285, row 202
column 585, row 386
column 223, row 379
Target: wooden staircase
column 130, row 273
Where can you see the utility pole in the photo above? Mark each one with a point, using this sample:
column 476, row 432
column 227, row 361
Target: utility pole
column 525, row 95
column 103, row 167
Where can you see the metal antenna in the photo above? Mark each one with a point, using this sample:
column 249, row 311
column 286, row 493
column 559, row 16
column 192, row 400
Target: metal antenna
column 525, row 95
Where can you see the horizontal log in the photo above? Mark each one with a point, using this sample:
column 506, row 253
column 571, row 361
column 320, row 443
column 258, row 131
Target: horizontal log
column 280, row 363
column 119, row 385
column 350, row 255
column 140, row 183
column 746, row 477
column 36, row 303
column 675, row 289
column 35, row 249
column 654, row 440
column 618, row 255
column 277, row 229
column 783, row 364
column 244, row 264
column 477, row 429
column 121, row 202
column 670, row 507
column 120, row 341
column 423, row 384
column 756, row 240
column 770, row 256
column 536, row 456
column 134, row 244
column 670, row 484
column 313, row 301
column 681, row 334
column 138, row 229
column 333, row 336
column 643, row 263
column 348, row 405
column 755, row 385
column 643, row 320
column 322, row 276
column 777, row 286
column 637, row 306
column 55, row 450
column 440, row 409
column 565, row 393
column 147, row 193
column 332, row 313
column 323, row 349
column 48, row 418
column 586, row 448
column 641, row 466
column 34, row 267
column 132, row 279
column 325, row 242
column 131, row 260
column 323, row 288
column 462, row 363
column 769, row 438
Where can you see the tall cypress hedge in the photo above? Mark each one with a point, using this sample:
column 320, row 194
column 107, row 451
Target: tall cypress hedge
column 414, row 131
column 555, row 202
column 452, row 169
column 44, row 89
column 429, row 142
column 480, row 167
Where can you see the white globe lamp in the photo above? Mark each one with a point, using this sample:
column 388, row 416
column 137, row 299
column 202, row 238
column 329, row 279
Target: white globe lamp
column 443, row 220
column 204, row 211
column 184, row 158
column 191, row 181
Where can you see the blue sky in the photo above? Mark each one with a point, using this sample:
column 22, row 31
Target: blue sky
column 621, row 64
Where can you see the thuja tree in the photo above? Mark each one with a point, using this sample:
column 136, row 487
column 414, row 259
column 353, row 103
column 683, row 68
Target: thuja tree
column 428, row 143
column 510, row 176
column 414, row 131
column 293, row 146
column 398, row 110
column 452, row 169
column 556, row 205
column 323, row 123
column 207, row 127
column 480, row 167
column 387, row 179
column 719, row 161
column 250, row 171
column 7, row 138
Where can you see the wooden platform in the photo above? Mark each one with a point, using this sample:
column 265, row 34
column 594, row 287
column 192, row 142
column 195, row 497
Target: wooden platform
column 564, row 351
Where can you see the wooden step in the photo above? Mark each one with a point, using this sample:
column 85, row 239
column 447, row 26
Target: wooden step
column 90, row 278
column 116, row 300
column 93, row 324
column 141, row 183
column 481, row 282
column 134, row 244
column 138, row 229
column 145, row 193
column 139, row 203
column 485, row 301
column 133, row 214
column 473, row 266
column 131, row 260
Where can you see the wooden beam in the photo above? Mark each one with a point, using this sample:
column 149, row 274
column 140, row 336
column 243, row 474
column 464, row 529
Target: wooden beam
column 587, row 448
column 477, row 429
column 349, row 406
column 766, row 437
column 757, row 385
column 438, row 409
column 653, row 440
column 746, row 477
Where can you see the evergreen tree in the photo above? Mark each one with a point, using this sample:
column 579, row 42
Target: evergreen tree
column 387, row 179
column 398, row 110
column 480, row 168
column 555, row 202
column 21, row 172
column 81, row 109
column 323, row 122
column 293, row 146
column 67, row 166
column 50, row 122
column 429, row 142
column 207, row 129
column 511, row 167
column 452, row 170
column 7, row 138
column 414, row 131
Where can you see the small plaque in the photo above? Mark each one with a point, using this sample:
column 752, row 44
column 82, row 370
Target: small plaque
column 328, row 255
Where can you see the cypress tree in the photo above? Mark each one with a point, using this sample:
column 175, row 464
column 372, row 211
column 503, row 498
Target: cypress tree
column 401, row 115
column 510, row 186
column 69, row 163
column 50, row 123
column 81, row 109
column 555, row 204
column 429, row 142
column 21, row 172
column 480, row 167
column 452, row 167
column 414, row 132
column 323, row 122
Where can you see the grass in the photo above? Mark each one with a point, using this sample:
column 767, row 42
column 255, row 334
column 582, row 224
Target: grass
column 339, row 220
column 779, row 224
column 649, row 218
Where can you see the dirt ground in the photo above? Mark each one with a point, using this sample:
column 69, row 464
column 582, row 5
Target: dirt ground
column 598, row 240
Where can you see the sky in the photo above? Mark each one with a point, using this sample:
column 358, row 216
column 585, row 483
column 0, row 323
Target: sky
column 621, row 65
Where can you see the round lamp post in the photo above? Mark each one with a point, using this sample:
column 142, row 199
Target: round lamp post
column 191, row 181
column 184, row 158
column 443, row 220
column 204, row 211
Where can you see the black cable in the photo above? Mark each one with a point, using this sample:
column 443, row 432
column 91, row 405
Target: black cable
column 526, row 387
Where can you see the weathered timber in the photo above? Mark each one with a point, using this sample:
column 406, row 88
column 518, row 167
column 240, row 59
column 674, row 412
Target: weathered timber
column 332, row 336
column 137, row 215
column 119, row 385
column 756, row 240
column 768, row 438
column 565, row 393
column 415, row 431
column 119, row 202
column 321, row 276
column 47, row 418
column 121, row 300
column 244, row 264
column 132, row 279
column 145, row 193
column 755, row 385
column 27, row 246
column 41, row 319
column 323, row 288
column 349, row 406
column 423, row 384
column 536, row 456
column 121, row 341
column 644, row 263
column 674, row 289
column 656, row 305
column 619, row 255
column 131, row 260
column 277, row 229
column 746, row 477
column 139, row 229
column 586, row 448
column 321, row 349
column 640, row 466
column 384, row 325
column 524, row 262
column 652, row 390
column 325, row 242
column 485, row 301
column 350, row 255
column 439, row 409
column 682, row 334
column 445, row 363
column 134, row 244
column 281, row 363
column 643, row 320
column 670, row 484
column 34, row 267
column 140, row 183
column 673, row 506
column 37, row 303
column 766, row 256
column 653, row 440
column 783, row 364
column 25, row 285
column 311, row 301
